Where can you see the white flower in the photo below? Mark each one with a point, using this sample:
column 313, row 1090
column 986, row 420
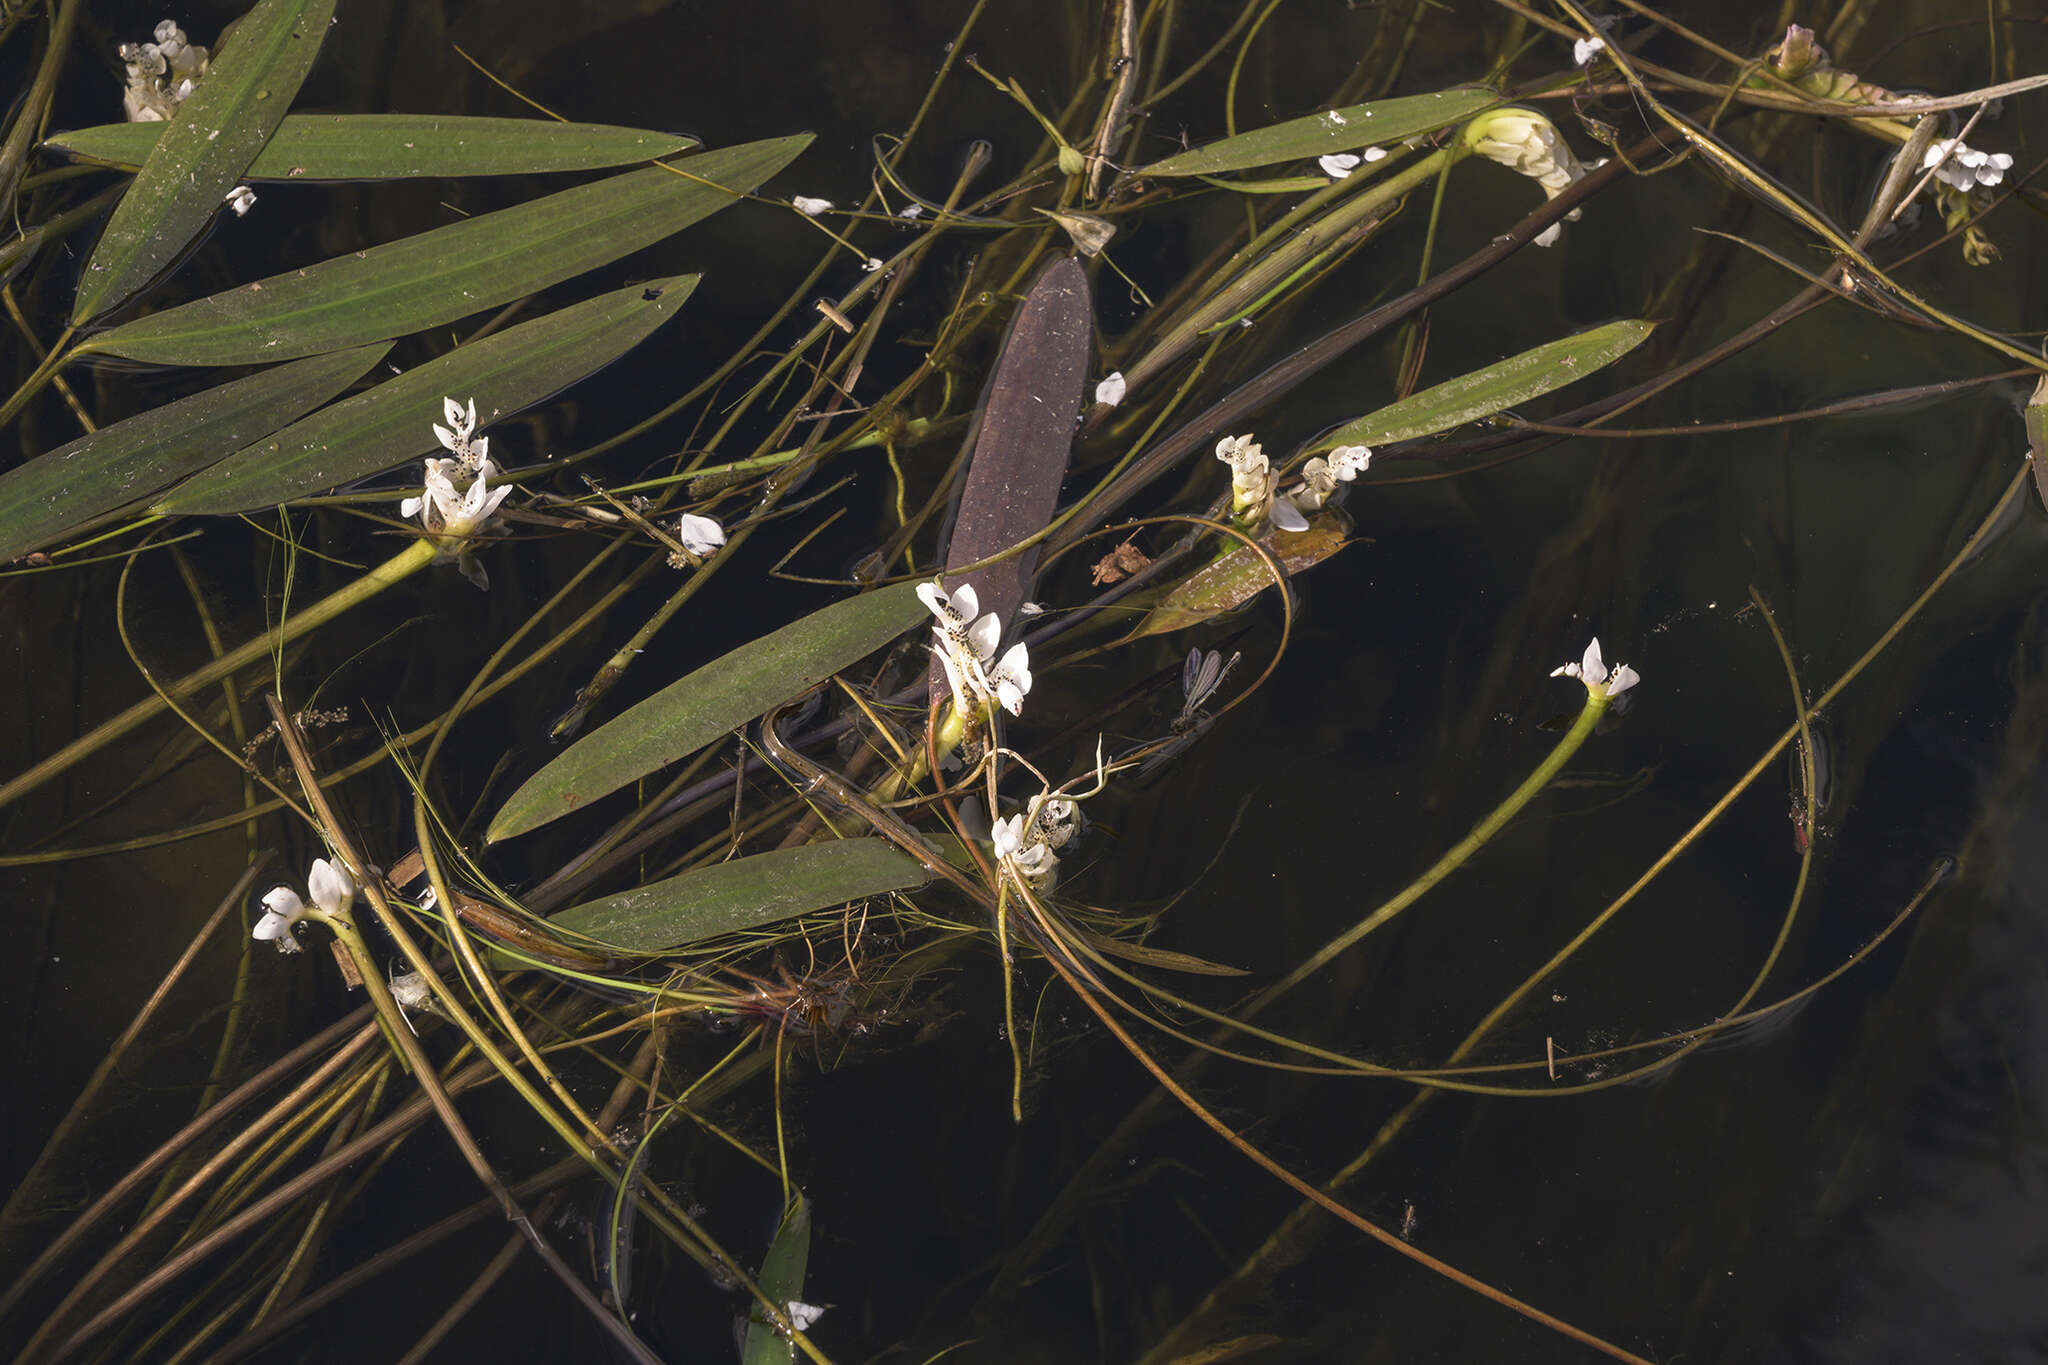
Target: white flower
column 912, row 211
column 810, row 208
column 1586, row 49
column 1337, row 165
column 1111, row 390
column 1371, row 154
column 1525, row 141
column 1963, row 166
column 1010, row 679
column 331, row 889
column 701, row 536
column 1014, row 846
column 1348, row 462
column 1592, row 671
column 241, row 199
column 871, row 265
column 802, row 1315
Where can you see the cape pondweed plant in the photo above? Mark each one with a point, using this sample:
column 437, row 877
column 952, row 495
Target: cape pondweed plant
column 831, row 822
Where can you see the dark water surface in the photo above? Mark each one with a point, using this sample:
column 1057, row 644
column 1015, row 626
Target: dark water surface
column 1860, row 1178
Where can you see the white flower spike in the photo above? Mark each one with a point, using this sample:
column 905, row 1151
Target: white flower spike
column 1525, row 141
column 1592, row 671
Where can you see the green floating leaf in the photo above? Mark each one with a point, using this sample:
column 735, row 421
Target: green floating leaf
column 782, row 1282
column 317, row 147
column 1383, row 122
column 96, row 476
column 450, row 272
column 712, row 702
column 384, row 427
column 744, row 893
column 1482, row 393
column 204, row 150
column 1241, row 575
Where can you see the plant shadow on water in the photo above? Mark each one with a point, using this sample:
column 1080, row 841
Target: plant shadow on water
column 727, row 941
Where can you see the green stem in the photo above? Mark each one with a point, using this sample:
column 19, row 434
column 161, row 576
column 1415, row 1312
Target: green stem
column 1597, row 703
column 392, row 571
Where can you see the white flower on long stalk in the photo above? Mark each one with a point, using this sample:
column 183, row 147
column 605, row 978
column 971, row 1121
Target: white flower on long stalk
column 1592, row 671
column 457, row 499
column 701, row 536
column 1963, row 166
column 1018, row 848
column 331, row 890
column 1525, row 141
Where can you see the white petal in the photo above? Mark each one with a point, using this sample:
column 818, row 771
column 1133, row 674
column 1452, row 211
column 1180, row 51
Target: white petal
column 1370, row 154
column 983, row 636
column 410, row 507
column 1624, row 678
column 332, row 890
column 452, row 411
column 802, row 1315
column 811, row 208
column 700, row 535
column 934, row 598
column 271, row 926
column 1011, row 696
column 1286, row 516
column 470, row 425
column 1111, row 390
column 1565, row 671
column 1008, row 836
column 1593, row 668
column 1586, row 49
column 284, row 902
column 955, row 684
column 965, row 603
column 1337, row 165
column 1348, row 462
column 1549, row 235
column 444, row 436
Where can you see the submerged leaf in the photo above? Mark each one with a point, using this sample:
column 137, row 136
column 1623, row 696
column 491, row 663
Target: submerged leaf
column 1022, row 442
column 96, row 476
column 450, row 272
column 386, row 426
column 204, row 150
column 316, row 147
column 744, row 893
column 782, row 1281
column 1335, row 130
column 1241, row 575
column 1484, row 392
column 709, row 703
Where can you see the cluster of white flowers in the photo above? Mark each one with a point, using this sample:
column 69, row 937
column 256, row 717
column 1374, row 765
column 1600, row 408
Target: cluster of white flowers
column 1525, row 141
column 1338, row 165
column 331, row 890
column 967, row 651
column 458, row 498
column 1964, row 167
column 1253, row 485
column 1592, row 671
column 161, row 74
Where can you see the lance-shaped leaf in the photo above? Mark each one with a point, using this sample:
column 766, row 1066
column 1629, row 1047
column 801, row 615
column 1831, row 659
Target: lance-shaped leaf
column 2037, row 437
column 1482, row 393
column 744, row 893
column 451, row 272
column 1382, row 122
column 1241, row 575
column 204, row 150
column 709, row 704
column 67, row 490
column 1023, row 439
column 391, row 424
column 782, row 1282
column 316, row 147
